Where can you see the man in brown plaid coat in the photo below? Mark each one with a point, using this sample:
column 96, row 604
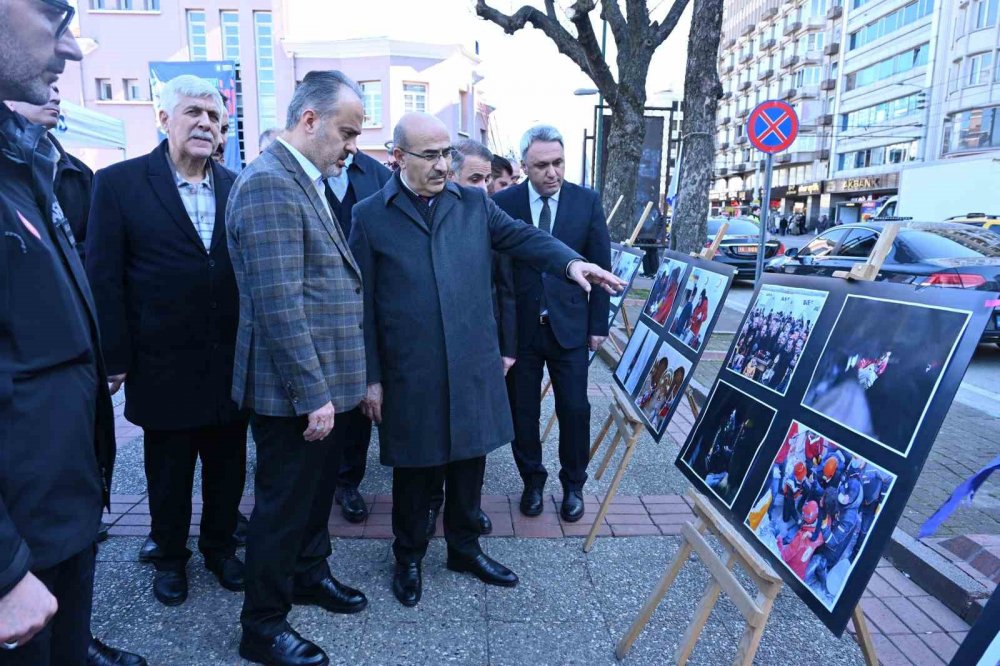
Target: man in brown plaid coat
column 300, row 360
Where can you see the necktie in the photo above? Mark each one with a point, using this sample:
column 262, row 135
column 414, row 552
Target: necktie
column 545, row 218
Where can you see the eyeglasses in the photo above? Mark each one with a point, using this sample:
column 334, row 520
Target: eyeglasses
column 432, row 156
column 68, row 12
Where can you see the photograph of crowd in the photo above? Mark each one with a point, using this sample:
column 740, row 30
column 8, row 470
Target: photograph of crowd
column 700, row 299
column 817, row 509
column 775, row 334
column 664, row 292
column 661, row 389
column 634, row 358
column 875, row 377
column 725, row 441
column 624, row 264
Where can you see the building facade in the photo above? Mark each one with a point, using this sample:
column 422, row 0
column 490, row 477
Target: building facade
column 901, row 84
column 121, row 38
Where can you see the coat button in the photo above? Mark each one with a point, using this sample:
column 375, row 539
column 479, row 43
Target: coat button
column 215, row 305
column 211, row 263
column 357, row 290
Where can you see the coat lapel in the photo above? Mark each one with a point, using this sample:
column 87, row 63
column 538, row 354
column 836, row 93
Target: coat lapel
column 562, row 222
column 446, row 201
column 392, row 194
column 165, row 186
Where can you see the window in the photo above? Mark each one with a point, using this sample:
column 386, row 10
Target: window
column 414, row 97
column 823, row 244
column 464, row 115
column 230, row 22
column 267, row 106
column 807, row 76
column 978, row 69
column 954, row 75
column 883, row 114
column 103, row 89
column 817, row 8
column 983, row 14
column 896, row 153
column 133, row 92
column 373, row 102
column 973, row 130
column 859, row 243
column 197, row 36
column 888, row 68
column 815, row 41
column 890, row 23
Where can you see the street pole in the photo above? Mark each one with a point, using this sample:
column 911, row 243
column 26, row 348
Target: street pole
column 599, row 134
column 765, row 214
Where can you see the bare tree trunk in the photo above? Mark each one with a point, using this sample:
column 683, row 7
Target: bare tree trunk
column 624, row 148
column 702, row 91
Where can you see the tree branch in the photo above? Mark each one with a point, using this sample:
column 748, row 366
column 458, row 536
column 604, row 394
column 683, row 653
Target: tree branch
column 612, row 13
column 660, row 32
column 599, row 70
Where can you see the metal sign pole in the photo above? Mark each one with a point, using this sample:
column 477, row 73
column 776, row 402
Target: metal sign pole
column 765, row 214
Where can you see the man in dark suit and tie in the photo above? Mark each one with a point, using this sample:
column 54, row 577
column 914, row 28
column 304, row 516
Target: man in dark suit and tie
column 300, row 360
column 361, row 177
column 434, row 369
column 557, row 326
column 167, row 301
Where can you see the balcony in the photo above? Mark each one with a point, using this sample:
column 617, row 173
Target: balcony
column 730, row 43
column 768, row 13
column 746, row 57
column 727, row 95
column 790, row 93
column 765, row 75
column 740, row 168
column 806, row 92
column 742, row 113
column 825, row 120
column 745, row 85
column 823, row 154
column 792, row 28
column 834, row 12
column 783, row 158
column 724, row 146
column 727, row 69
column 725, row 120
column 790, row 61
column 768, row 44
column 748, row 29
column 742, row 140
column 721, row 171
column 828, row 84
column 833, row 48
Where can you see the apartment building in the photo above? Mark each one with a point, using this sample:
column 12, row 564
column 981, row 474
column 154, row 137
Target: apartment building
column 121, row 38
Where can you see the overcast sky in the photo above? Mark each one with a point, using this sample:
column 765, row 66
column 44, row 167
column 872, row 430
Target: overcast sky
column 525, row 77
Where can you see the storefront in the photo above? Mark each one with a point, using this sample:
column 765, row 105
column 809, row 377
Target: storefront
column 856, row 199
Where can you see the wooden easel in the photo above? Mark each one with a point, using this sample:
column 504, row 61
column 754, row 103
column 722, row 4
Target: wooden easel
column 755, row 611
column 629, row 426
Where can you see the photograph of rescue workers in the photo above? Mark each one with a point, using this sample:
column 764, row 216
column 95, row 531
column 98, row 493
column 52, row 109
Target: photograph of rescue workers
column 817, row 509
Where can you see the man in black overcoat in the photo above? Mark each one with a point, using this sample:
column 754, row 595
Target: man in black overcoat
column 435, row 374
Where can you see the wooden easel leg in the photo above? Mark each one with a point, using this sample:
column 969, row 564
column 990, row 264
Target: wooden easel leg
column 628, row 325
column 548, row 428
column 700, row 617
column 545, row 389
column 625, row 644
column 750, row 641
column 864, row 636
column 600, row 436
column 607, row 456
column 613, row 489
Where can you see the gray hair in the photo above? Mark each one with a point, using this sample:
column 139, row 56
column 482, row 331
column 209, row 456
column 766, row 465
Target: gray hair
column 187, row 85
column 539, row 133
column 267, row 137
column 319, row 91
column 468, row 148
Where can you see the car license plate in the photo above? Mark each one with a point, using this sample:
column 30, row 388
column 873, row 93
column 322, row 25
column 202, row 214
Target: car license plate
column 746, row 249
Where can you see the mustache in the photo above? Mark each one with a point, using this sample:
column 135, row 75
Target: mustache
column 207, row 136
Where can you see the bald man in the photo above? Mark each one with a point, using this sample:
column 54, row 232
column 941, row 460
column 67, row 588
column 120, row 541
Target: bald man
column 434, row 369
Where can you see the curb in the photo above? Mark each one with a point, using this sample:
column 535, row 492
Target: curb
column 961, row 593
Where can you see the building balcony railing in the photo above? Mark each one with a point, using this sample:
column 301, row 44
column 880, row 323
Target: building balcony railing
column 740, row 168
column 727, row 69
column 742, row 141
column 769, row 12
column 745, row 85
column 727, row 95
column 828, row 84
column 748, row 29
column 835, row 12
column 724, row 120
column 793, row 27
column 790, row 61
column 806, row 92
column 833, row 48
column 730, row 43
column 746, row 57
column 789, row 93
column 724, row 145
column 765, row 75
column 721, row 171
column 768, row 44
column 742, row 113
column 824, row 120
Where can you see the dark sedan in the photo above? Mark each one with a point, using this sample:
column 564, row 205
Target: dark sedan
column 739, row 245
column 938, row 254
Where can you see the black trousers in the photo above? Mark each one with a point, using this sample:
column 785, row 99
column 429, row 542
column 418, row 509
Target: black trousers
column 353, row 434
column 170, row 461
column 411, row 494
column 288, row 540
column 568, row 372
column 64, row 640
column 651, row 260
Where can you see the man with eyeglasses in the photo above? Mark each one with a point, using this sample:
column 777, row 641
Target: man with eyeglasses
column 57, row 430
column 435, row 378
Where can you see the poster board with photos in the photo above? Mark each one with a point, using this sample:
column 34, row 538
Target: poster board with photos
column 625, row 264
column 981, row 646
column 678, row 317
column 823, row 414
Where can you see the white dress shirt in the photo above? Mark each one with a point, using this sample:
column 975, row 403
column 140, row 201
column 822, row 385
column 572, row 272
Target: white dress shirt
column 535, row 201
column 312, row 173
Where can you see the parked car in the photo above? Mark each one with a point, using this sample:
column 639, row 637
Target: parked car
column 939, row 254
column 981, row 220
column 739, row 245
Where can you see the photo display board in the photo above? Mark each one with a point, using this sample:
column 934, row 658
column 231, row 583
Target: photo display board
column 625, row 264
column 677, row 319
column 822, row 417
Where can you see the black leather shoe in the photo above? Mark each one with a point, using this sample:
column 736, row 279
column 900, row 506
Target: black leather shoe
column 150, row 551
column 229, row 571
column 102, row 532
column 99, row 654
column 352, row 505
column 170, row 587
column 285, row 649
column 484, row 568
column 332, row 595
column 407, row 583
column 485, row 524
column 572, row 506
column 531, row 502
column 432, row 521
column 240, row 533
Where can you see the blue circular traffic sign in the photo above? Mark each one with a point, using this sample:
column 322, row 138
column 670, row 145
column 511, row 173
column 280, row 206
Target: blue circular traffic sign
column 772, row 126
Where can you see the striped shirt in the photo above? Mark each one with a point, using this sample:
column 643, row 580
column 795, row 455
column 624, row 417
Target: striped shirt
column 199, row 202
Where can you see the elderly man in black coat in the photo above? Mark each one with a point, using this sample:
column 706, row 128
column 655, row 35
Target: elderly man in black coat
column 434, row 370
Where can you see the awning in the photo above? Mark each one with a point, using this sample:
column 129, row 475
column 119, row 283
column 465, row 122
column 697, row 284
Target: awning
column 82, row 128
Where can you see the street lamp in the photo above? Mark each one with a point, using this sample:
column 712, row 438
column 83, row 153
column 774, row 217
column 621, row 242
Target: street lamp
column 583, row 92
